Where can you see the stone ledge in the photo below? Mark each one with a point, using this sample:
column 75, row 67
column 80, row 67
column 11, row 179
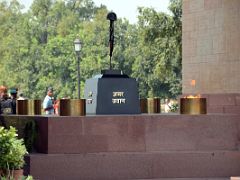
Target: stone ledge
column 106, row 166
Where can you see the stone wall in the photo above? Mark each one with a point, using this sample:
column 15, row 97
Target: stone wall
column 211, row 46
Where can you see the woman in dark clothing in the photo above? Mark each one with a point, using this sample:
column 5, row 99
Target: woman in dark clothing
column 6, row 104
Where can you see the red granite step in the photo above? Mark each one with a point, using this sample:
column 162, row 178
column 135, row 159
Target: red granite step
column 114, row 166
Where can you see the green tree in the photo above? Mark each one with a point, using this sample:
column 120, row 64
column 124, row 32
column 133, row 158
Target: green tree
column 36, row 47
column 158, row 64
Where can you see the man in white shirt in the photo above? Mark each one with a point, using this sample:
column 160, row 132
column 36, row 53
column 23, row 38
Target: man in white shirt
column 47, row 103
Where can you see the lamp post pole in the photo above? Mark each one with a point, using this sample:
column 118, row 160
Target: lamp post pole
column 78, row 67
column 78, row 46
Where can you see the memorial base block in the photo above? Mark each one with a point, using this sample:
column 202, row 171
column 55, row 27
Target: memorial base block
column 112, row 93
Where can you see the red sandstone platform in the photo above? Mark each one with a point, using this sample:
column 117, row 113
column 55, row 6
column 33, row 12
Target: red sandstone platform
column 136, row 147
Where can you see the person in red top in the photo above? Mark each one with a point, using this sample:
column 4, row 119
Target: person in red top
column 56, row 107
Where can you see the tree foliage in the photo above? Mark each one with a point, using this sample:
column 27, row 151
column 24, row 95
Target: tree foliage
column 158, row 66
column 36, row 47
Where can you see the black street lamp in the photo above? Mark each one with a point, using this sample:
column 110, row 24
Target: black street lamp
column 78, row 47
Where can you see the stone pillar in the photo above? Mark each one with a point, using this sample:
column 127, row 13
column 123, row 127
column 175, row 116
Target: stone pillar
column 211, row 52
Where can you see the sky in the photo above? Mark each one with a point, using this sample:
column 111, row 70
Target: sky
column 124, row 8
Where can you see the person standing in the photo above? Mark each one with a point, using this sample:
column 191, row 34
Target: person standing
column 13, row 96
column 6, row 105
column 56, row 106
column 48, row 103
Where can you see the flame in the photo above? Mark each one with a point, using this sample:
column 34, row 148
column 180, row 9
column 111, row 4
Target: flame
column 193, row 96
column 193, row 82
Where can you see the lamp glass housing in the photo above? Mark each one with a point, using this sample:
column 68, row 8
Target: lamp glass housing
column 77, row 45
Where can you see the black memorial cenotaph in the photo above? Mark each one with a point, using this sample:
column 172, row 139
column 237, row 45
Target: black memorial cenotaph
column 111, row 92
